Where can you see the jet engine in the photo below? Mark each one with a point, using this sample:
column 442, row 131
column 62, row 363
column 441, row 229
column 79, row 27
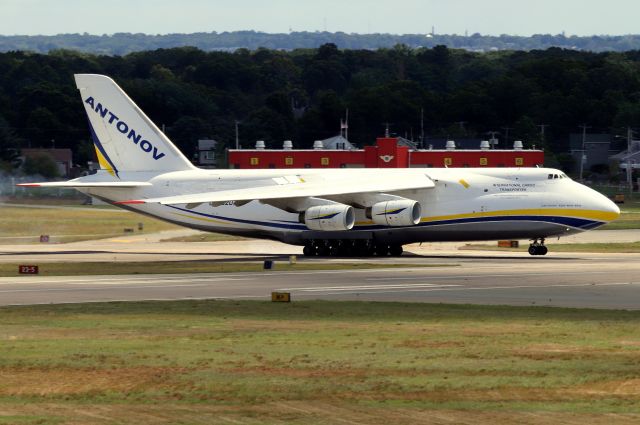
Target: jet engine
column 401, row 212
column 329, row 217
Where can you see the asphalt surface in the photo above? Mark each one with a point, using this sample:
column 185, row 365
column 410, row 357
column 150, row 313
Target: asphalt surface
column 454, row 276
column 567, row 280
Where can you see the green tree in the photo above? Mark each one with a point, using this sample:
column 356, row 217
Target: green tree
column 41, row 165
column 9, row 142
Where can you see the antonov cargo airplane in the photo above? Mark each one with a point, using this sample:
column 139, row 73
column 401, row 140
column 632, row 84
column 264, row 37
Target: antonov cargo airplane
column 331, row 212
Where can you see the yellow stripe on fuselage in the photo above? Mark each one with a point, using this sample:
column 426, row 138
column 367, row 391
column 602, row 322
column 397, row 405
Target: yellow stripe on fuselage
column 545, row 212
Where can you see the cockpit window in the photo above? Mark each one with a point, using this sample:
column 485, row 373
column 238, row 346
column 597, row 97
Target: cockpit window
column 555, row 176
column 550, row 176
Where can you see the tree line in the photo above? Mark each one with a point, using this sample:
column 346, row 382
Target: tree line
column 303, row 94
column 124, row 43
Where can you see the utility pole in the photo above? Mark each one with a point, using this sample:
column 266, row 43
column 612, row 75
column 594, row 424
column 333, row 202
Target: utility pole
column 506, row 136
column 421, row 128
column 629, row 169
column 386, row 130
column 582, row 153
column 237, row 137
column 346, row 126
column 542, row 127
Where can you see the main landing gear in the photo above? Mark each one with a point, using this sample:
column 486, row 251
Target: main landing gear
column 538, row 248
column 350, row 248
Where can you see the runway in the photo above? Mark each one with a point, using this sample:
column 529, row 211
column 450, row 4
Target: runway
column 567, row 280
column 452, row 275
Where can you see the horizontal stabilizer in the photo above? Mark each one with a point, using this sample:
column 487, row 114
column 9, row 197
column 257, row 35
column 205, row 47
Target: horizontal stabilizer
column 297, row 190
column 74, row 184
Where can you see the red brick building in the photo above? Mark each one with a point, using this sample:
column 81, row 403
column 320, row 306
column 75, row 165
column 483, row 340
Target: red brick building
column 387, row 153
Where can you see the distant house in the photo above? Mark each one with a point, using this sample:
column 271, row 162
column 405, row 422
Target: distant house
column 631, row 157
column 408, row 143
column 597, row 149
column 207, row 152
column 62, row 157
column 338, row 143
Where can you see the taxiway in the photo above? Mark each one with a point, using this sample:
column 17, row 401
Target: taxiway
column 451, row 276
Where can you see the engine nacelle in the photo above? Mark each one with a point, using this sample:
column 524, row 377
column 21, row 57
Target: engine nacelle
column 329, row 217
column 403, row 212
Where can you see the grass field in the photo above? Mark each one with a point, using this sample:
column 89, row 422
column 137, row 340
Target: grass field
column 195, row 266
column 73, row 224
column 629, row 219
column 210, row 362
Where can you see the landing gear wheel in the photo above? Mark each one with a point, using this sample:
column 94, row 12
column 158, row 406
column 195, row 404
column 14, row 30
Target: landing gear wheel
column 345, row 249
column 308, row 251
column 538, row 248
column 360, row 249
column 382, row 250
column 396, row 250
column 323, row 250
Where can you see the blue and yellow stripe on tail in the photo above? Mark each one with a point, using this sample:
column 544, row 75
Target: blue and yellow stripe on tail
column 103, row 158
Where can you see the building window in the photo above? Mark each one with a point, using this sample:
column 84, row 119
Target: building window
column 288, row 160
column 519, row 161
column 484, row 161
column 324, row 161
column 448, row 161
column 272, row 165
column 254, row 161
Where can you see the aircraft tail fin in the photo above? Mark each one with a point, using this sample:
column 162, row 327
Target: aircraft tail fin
column 125, row 138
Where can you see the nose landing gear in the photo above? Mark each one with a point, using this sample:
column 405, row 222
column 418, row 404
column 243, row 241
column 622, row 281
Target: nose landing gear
column 538, row 248
column 350, row 248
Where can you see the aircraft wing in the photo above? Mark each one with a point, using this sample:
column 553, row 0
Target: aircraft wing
column 73, row 184
column 299, row 189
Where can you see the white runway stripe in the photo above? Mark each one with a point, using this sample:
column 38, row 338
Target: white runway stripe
column 364, row 287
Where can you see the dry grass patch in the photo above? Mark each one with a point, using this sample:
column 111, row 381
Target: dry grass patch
column 317, row 363
column 75, row 381
column 76, row 224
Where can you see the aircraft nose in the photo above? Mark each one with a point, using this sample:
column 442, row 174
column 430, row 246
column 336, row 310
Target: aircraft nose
column 609, row 209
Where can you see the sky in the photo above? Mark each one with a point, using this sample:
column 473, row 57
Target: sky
column 487, row 17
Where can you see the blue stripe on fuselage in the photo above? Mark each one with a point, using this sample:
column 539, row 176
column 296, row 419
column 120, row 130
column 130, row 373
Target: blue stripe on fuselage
column 579, row 223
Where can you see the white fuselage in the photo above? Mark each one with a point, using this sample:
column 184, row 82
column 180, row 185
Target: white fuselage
column 466, row 204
